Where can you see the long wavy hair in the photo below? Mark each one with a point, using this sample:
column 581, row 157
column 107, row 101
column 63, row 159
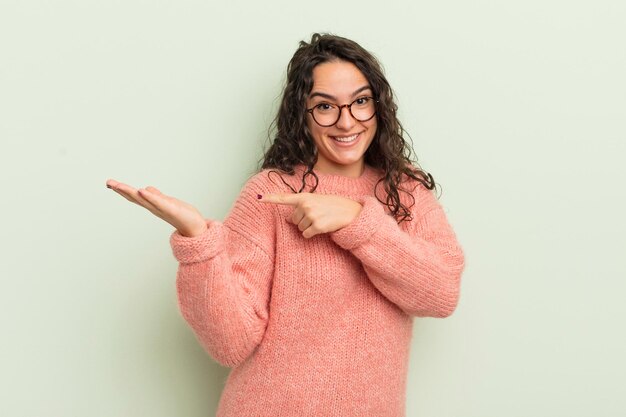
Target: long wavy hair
column 293, row 144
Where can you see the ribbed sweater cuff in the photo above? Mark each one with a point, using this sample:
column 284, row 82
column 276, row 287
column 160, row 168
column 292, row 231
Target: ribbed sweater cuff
column 363, row 226
column 198, row 248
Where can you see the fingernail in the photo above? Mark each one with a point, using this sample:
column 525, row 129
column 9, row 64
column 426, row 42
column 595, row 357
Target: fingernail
column 259, row 196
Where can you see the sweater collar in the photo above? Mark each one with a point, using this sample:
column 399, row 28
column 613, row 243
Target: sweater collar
column 336, row 183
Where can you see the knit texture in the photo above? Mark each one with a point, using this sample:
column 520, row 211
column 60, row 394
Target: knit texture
column 319, row 326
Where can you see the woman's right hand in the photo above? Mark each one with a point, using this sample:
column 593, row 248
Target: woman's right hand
column 183, row 216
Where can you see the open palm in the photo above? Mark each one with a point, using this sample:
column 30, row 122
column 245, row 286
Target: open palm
column 183, row 216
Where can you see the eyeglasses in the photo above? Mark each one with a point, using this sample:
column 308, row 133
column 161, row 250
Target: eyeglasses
column 326, row 114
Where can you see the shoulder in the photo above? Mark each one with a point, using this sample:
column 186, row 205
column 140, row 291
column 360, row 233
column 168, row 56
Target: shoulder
column 422, row 199
column 247, row 214
column 266, row 181
column 250, row 218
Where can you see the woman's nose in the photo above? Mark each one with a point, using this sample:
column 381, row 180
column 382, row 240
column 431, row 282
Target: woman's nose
column 346, row 121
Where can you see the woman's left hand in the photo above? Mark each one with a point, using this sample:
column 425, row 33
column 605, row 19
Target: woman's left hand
column 317, row 213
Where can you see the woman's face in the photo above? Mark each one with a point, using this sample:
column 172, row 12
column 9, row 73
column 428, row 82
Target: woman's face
column 338, row 83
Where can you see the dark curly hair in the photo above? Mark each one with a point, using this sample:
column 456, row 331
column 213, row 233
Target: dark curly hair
column 293, row 144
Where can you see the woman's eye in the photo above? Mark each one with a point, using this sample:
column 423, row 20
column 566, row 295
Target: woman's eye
column 362, row 100
column 324, row 106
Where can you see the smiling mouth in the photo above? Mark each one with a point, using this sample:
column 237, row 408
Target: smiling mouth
column 346, row 139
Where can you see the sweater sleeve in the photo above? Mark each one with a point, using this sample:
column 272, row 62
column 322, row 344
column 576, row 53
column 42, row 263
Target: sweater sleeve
column 418, row 269
column 224, row 278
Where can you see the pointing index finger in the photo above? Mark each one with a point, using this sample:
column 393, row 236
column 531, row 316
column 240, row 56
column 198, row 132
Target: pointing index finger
column 288, row 199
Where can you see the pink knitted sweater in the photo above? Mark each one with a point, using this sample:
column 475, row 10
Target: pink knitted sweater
column 319, row 326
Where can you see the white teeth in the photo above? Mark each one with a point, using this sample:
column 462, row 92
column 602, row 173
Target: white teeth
column 346, row 139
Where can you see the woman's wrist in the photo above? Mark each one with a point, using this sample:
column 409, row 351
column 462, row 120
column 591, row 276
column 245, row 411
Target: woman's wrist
column 194, row 232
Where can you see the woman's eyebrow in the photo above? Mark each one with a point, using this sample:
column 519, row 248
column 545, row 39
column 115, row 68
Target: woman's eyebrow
column 328, row 96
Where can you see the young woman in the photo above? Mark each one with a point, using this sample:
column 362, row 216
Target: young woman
column 309, row 287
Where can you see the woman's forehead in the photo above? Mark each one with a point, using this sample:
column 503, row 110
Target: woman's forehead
column 338, row 78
